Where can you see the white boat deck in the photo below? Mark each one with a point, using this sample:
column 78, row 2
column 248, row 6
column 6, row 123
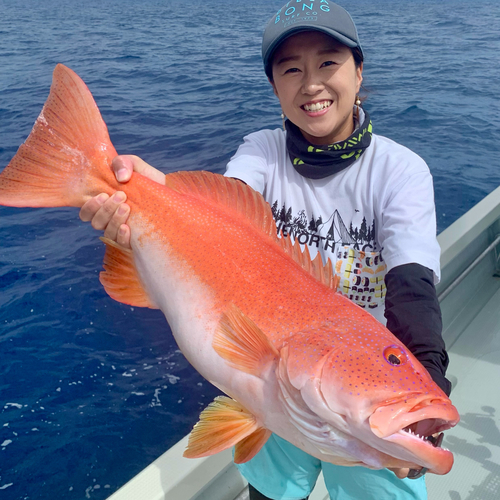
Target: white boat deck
column 475, row 441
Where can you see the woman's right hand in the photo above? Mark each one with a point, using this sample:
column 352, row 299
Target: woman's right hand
column 110, row 213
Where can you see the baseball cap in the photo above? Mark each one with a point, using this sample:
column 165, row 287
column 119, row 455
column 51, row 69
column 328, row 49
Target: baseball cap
column 307, row 15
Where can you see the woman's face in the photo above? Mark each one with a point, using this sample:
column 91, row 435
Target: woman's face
column 316, row 81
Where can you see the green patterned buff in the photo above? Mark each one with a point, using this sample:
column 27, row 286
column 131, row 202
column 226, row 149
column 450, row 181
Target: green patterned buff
column 317, row 162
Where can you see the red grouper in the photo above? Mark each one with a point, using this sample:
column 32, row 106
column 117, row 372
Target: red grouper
column 252, row 312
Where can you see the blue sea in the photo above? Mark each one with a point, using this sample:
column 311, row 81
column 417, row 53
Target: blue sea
column 92, row 391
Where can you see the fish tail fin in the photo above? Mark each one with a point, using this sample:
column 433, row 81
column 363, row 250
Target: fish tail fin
column 66, row 159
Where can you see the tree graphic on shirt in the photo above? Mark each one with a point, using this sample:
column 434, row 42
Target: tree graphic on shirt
column 309, row 231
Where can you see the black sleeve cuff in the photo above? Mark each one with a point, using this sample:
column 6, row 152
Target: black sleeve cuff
column 414, row 317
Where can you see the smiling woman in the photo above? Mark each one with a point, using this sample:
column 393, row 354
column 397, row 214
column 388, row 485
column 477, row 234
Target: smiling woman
column 316, row 80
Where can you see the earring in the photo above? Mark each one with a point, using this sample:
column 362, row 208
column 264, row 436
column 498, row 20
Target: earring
column 283, row 120
column 358, row 104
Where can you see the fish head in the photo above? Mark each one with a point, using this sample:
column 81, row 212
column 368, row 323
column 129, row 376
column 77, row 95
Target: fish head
column 372, row 389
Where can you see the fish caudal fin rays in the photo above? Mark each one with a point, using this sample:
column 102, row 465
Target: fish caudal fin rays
column 67, row 156
column 120, row 278
column 230, row 192
column 242, row 344
column 225, row 423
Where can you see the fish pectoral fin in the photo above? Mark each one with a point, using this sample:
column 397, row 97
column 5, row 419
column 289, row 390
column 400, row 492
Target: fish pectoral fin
column 120, row 278
column 225, row 423
column 243, row 344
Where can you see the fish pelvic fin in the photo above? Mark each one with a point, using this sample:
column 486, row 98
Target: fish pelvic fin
column 66, row 159
column 120, row 278
column 243, row 344
column 225, row 423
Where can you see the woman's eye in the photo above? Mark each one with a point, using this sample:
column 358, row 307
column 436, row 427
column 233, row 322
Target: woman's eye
column 291, row 70
column 327, row 63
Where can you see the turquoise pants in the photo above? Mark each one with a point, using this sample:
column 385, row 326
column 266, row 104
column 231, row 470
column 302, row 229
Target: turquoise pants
column 283, row 472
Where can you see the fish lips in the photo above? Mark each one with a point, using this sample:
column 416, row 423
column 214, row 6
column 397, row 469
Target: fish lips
column 411, row 431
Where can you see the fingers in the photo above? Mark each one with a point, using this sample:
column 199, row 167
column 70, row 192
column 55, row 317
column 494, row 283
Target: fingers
column 116, row 229
column 103, row 210
column 401, row 473
column 123, row 236
column 91, row 207
column 124, row 165
column 109, row 213
column 106, row 210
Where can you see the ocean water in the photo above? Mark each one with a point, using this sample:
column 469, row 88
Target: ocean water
column 92, row 391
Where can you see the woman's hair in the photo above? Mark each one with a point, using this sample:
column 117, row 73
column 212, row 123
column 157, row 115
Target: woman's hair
column 358, row 56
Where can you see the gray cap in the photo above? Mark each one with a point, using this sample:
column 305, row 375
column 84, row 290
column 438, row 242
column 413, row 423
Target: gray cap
column 307, row 15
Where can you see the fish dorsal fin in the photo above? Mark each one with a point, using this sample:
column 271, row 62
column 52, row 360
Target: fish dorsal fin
column 243, row 344
column 315, row 267
column 230, row 192
column 120, row 278
column 251, row 204
column 225, row 423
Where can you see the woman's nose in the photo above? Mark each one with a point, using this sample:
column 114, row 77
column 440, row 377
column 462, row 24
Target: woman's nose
column 311, row 83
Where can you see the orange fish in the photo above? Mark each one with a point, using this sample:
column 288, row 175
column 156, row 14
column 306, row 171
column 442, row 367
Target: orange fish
column 250, row 311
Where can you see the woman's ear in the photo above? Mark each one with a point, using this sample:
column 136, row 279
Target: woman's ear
column 359, row 76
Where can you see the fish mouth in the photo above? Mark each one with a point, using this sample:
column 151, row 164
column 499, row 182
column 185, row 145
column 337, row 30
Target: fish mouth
column 425, row 429
column 431, row 455
column 416, row 432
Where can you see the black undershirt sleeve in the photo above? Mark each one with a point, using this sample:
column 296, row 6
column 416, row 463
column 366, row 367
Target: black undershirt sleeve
column 414, row 317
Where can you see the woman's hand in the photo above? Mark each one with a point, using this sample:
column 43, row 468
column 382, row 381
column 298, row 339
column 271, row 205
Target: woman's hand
column 110, row 213
column 401, row 473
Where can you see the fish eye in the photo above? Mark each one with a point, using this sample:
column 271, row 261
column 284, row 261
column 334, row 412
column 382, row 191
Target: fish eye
column 394, row 355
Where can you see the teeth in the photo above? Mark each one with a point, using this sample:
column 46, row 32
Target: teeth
column 317, row 106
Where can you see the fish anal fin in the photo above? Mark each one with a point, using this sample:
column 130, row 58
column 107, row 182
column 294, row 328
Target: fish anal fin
column 243, row 344
column 120, row 278
column 223, row 423
column 246, row 449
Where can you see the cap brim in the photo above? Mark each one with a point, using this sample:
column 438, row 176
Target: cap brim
column 268, row 56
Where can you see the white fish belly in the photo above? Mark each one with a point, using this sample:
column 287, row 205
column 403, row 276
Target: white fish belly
column 191, row 311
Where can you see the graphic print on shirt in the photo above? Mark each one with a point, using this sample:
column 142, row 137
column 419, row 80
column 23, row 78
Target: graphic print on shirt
column 353, row 251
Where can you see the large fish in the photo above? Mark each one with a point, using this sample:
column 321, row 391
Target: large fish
column 250, row 311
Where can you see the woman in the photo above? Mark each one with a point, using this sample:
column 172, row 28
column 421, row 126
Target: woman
column 360, row 199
